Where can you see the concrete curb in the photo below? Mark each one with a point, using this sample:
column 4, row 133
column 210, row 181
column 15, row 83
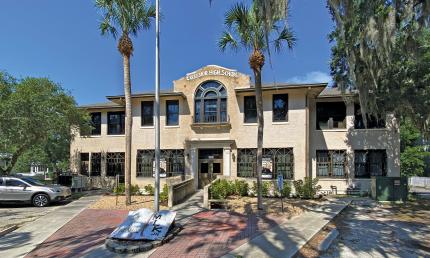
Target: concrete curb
column 8, row 230
column 325, row 244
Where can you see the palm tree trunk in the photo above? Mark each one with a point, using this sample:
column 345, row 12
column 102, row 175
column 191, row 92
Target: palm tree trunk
column 260, row 121
column 128, row 128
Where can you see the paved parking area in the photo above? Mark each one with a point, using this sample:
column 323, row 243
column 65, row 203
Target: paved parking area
column 371, row 230
column 19, row 214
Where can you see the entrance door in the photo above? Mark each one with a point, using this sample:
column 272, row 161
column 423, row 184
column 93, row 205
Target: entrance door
column 210, row 165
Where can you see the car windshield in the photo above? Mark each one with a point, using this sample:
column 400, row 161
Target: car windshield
column 32, row 181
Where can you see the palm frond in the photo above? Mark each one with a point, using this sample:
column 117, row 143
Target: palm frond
column 285, row 36
column 227, row 40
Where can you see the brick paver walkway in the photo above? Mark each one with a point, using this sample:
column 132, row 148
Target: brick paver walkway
column 85, row 231
column 215, row 233
column 206, row 234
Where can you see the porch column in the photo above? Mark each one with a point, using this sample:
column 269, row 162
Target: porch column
column 226, row 160
column 194, row 166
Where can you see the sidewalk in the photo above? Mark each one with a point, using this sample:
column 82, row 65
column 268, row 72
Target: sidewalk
column 287, row 238
column 26, row 238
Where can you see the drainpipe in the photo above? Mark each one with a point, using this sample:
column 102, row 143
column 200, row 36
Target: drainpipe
column 307, row 161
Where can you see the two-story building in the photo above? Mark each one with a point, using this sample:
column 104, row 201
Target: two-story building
column 208, row 128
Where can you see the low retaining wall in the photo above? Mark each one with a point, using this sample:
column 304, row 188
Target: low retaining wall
column 179, row 191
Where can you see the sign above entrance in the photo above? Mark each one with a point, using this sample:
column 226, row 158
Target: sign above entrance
column 212, row 72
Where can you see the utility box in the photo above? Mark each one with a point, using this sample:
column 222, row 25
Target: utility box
column 392, row 189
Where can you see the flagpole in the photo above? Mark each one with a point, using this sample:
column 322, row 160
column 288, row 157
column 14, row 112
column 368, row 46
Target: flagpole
column 157, row 107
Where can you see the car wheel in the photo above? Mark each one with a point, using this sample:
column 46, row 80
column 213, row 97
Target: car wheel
column 40, row 200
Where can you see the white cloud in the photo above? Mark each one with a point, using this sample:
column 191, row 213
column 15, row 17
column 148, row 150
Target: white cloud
column 311, row 77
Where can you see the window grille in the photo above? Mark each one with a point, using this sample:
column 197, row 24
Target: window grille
column 172, row 163
column 370, row 163
column 115, row 163
column 96, row 161
column 331, row 163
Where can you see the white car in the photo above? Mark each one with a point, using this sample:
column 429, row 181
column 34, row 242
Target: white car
column 25, row 189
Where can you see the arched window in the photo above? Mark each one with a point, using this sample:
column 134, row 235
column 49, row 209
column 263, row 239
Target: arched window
column 210, row 104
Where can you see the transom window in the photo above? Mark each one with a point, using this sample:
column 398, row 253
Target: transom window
column 331, row 163
column 210, row 104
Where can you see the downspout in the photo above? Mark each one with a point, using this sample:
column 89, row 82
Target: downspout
column 308, row 174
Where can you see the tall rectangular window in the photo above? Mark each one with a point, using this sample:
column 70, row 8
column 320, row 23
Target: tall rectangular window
column 331, row 163
column 250, row 109
column 96, row 123
column 147, row 113
column 96, row 161
column 115, row 164
column 85, row 160
column 116, row 123
column 280, row 107
column 172, row 112
column 370, row 163
column 331, row 115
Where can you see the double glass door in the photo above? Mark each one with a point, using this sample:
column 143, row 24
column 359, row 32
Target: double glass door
column 208, row 170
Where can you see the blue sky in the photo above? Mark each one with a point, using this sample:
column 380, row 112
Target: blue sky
column 59, row 39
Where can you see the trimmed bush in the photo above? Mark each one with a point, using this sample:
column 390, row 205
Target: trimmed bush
column 164, row 195
column 149, row 189
column 220, row 189
column 308, row 188
column 265, row 188
column 134, row 190
column 240, row 187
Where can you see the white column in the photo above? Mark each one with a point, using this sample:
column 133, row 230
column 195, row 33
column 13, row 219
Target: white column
column 226, row 159
column 195, row 166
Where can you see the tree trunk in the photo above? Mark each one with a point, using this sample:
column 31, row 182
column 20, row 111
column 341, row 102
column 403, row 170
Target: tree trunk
column 260, row 121
column 128, row 128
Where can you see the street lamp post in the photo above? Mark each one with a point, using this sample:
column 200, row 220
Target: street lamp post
column 157, row 107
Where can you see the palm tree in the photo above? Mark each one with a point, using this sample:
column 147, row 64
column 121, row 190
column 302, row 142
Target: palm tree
column 126, row 17
column 246, row 29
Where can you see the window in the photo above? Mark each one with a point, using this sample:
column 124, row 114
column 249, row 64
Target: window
column 96, row 123
column 115, row 164
column 275, row 161
column 172, row 163
column 85, row 162
column 331, row 163
column 373, row 121
column 147, row 113
column 96, row 161
column 210, row 104
column 1, row 181
column 172, row 112
column 116, row 122
column 250, row 109
column 15, row 183
column 280, row 107
column 370, row 163
column 331, row 115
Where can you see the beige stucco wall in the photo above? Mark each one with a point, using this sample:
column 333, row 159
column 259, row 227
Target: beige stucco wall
column 291, row 134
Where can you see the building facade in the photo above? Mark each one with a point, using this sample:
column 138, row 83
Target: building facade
column 208, row 128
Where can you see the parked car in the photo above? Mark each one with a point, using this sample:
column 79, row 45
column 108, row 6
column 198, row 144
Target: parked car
column 26, row 189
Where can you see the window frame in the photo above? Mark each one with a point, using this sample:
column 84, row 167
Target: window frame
column 330, row 118
column 247, row 110
column 121, row 125
column 368, row 164
column 201, row 99
column 85, row 163
column 331, row 164
column 97, row 128
column 273, row 107
column 143, row 117
column 176, row 101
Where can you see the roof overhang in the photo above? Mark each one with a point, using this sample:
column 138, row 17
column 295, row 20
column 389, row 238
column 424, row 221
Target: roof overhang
column 315, row 87
column 148, row 95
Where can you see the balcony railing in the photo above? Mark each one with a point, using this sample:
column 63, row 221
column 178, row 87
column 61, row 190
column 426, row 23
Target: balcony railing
column 211, row 119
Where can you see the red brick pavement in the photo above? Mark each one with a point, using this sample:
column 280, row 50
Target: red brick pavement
column 207, row 234
column 85, row 231
column 214, row 233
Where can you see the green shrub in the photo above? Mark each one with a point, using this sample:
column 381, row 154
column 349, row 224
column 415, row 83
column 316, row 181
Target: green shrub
column 220, row 189
column 286, row 191
column 240, row 187
column 265, row 188
column 164, row 195
column 308, row 188
column 120, row 189
column 149, row 189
